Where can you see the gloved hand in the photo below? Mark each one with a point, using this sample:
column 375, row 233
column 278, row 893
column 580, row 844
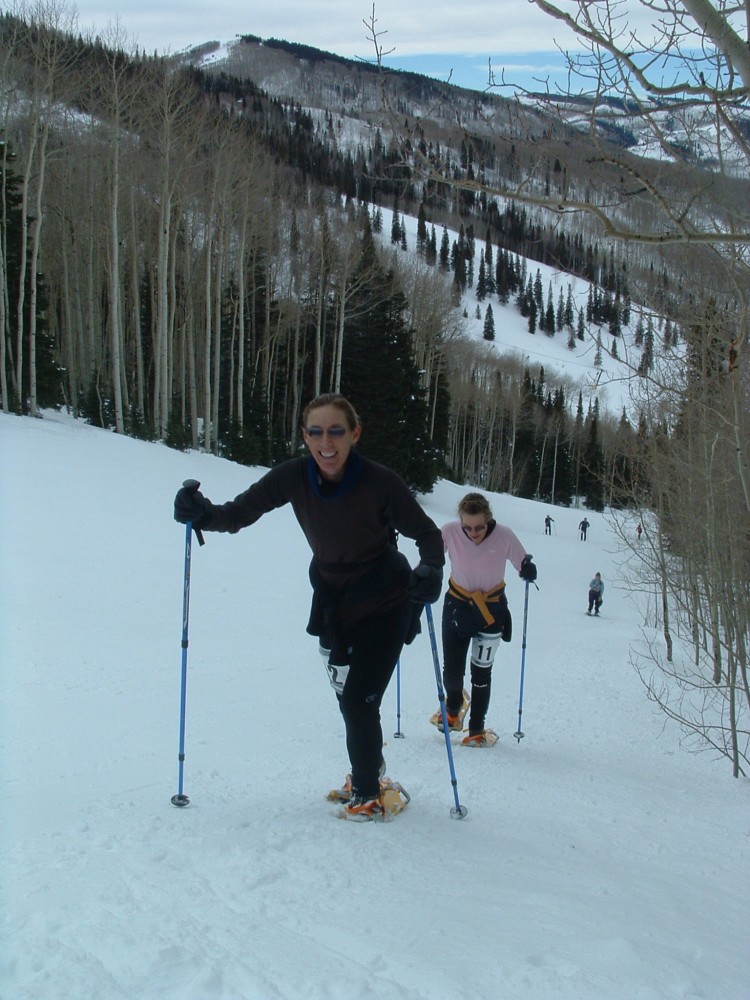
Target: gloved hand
column 190, row 505
column 528, row 569
column 425, row 584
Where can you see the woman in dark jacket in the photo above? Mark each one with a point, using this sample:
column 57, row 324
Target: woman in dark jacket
column 366, row 600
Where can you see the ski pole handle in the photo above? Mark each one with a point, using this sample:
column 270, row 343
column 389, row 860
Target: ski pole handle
column 194, row 486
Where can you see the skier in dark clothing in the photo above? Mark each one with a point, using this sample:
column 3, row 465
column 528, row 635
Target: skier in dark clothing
column 366, row 599
column 548, row 522
column 583, row 527
column 596, row 594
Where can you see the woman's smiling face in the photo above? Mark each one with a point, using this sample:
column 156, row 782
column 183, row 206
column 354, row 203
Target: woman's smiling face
column 330, row 438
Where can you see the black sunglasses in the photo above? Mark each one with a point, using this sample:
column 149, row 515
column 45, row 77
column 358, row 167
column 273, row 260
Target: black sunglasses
column 334, row 432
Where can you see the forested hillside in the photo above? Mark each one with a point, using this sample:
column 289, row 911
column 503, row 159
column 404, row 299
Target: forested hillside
column 193, row 260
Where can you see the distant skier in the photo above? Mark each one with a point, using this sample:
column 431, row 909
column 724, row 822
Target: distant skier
column 638, row 532
column 583, row 527
column 596, row 594
column 548, row 522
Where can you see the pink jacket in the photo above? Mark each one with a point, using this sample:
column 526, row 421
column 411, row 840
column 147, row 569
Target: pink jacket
column 481, row 567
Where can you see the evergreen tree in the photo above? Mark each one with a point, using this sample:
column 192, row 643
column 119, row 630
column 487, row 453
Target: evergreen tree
column 592, row 484
column 445, row 251
column 549, row 315
column 615, row 327
column 489, row 324
column 560, row 314
column 459, row 270
column 526, row 457
column 502, row 278
column 621, row 487
column 431, row 254
column 647, row 358
column 421, row 230
column 532, row 316
column 395, row 224
column 481, row 279
column 489, row 265
column 380, row 376
column 538, row 291
column 569, row 318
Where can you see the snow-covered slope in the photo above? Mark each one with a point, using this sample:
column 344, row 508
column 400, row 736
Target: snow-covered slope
column 598, row 860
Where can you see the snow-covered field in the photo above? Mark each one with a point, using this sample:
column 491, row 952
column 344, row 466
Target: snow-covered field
column 598, row 859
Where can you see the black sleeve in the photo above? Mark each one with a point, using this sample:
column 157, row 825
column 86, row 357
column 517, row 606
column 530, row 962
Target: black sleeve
column 410, row 519
column 272, row 490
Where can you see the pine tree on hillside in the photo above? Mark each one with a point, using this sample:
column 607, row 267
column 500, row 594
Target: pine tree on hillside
column 396, row 224
column 445, row 251
column 526, row 457
column 592, row 462
column 421, row 230
column 380, row 376
column 581, row 328
column 481, row 279
column 489, row 324
column 549, row 315
column 431, row 251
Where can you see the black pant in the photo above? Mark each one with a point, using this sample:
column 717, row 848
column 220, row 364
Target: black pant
column 374, row 647
column 461, row 624
column 594, row 600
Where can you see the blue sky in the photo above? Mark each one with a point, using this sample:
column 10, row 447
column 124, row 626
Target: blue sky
column 439, row 39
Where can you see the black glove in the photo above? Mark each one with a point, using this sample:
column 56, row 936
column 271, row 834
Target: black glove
column 190, row 505
column 425, row 584
column 528, row 569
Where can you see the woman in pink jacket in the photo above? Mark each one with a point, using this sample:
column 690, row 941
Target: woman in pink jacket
column 475, row 611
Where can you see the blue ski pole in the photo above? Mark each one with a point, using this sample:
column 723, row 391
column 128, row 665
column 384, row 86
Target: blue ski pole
column 458, row 811
column 519, row 734
column 180, row 799
column 398, row 734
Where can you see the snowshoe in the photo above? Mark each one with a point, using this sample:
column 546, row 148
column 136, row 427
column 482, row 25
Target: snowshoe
column 360, row 809
column 455, row 721
column 344, row 793
column 487, row 738
column 393, row 799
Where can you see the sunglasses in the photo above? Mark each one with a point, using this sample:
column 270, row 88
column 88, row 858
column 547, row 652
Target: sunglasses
column 474, row 529
column 334, row 432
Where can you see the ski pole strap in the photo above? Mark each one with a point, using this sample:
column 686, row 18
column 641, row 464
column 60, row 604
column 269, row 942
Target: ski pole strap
column 480, row 598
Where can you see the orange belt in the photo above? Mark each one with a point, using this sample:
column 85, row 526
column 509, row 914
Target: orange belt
column 481, row 598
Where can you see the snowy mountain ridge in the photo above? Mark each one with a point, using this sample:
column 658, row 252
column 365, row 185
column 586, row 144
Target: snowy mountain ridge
column 351, row 87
